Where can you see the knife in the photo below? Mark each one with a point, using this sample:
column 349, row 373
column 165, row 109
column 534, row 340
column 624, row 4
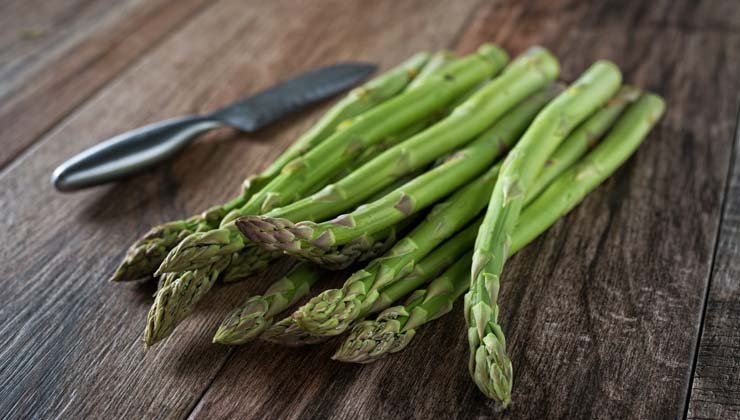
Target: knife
column 144, row 147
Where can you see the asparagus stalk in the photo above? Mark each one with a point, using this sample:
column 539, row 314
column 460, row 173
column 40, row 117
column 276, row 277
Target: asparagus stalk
column 394, row 328
column 526, row 74
column 288, row 332
column 253, row 317
column 489, row 365
column 327, row 158
column 146, row 254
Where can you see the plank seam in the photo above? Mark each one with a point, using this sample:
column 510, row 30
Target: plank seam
column 205, row 390
column 718, row 236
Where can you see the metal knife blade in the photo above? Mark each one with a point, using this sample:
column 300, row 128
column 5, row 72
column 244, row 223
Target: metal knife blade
column 292, row 95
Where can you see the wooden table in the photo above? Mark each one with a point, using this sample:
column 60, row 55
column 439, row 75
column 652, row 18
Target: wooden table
column 626, row 308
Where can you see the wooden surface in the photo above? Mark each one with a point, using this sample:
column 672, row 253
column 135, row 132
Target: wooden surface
column 627, row 308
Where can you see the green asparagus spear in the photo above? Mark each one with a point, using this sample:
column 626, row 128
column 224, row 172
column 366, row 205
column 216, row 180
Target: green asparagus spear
column 249, row 320
column 146, row 254
column 489, row 365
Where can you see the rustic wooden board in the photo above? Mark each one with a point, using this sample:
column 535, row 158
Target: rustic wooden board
column 602, row 314
column 715, row 392
column 70, row 343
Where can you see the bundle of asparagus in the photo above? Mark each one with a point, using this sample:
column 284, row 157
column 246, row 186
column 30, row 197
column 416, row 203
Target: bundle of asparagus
column 497, row 152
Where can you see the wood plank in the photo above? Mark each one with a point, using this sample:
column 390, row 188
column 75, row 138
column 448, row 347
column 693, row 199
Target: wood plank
column 80, row 47
column 70, row 342
column 601, row 313
column 715, row 391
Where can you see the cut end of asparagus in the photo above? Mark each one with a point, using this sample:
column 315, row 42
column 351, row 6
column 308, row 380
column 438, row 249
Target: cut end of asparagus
column 244, row 324
column 288, row 333
column 495, row 54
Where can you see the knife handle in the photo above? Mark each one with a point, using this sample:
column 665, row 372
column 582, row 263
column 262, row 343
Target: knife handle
column 129, row 152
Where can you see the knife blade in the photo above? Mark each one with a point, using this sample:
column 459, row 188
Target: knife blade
column 144, row 147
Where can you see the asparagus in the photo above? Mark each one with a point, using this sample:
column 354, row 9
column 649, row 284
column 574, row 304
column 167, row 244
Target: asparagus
column 327, row 158
column 146, row 254
column 288, row 332
column 253, row 317
column 572, row 147
column 528, row 73
column 489, row 366
column 395, row 327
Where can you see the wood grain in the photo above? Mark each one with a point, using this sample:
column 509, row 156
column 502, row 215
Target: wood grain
column 79, row 47
column 70, row 343
column 715, row 392
column 602, row 313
